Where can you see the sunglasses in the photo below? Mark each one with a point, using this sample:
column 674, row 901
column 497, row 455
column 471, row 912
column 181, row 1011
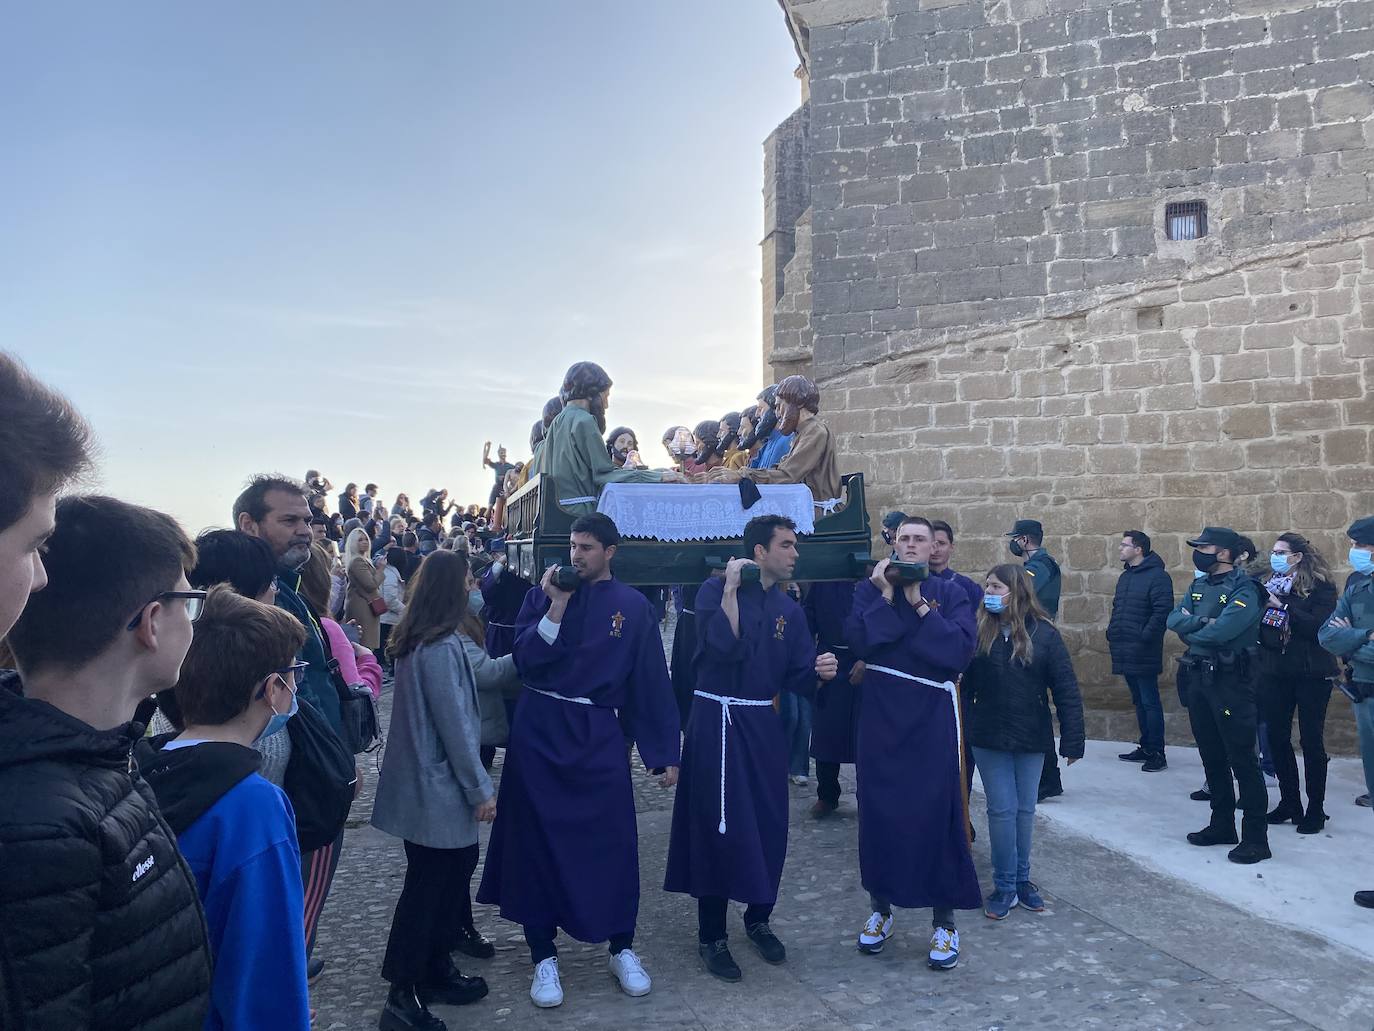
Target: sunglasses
column 195, row 605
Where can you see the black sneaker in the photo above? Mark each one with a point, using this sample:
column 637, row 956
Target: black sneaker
column 719, row 962
column 405, row 1012
column 767, row 944
column 1362, row 800
column 471, row 943
column 313, row 969
column 1138, row 755
column 456, row 990
column 1213, row 836
column 1365, row 898
column 1154, row 762
column 1248, row 852
column 1201, row 795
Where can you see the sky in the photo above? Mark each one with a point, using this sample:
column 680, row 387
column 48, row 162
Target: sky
column 366, row 238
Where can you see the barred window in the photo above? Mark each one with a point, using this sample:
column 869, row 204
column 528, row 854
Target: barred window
column 1186, row 220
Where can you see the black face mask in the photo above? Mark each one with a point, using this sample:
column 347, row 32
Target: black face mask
column 1016, row 548
column 1204, row 563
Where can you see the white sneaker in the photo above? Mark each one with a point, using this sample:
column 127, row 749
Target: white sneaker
column 800, row 779
column 546, row 990
column 629, row 972
column 877, row 931
column 944, row 949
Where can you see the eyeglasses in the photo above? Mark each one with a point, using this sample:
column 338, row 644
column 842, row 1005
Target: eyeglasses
column 287, row 673
column 195, row 605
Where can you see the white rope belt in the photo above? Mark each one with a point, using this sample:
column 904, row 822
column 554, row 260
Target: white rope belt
column 578, row 501
column 948, row 687
column 687, row 612
column 561, row 697
column 503, row 626
column 829, row 505
column 725, row 702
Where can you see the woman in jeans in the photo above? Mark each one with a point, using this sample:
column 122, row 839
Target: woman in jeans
column 1295, row 674
column 432, row 793
column 1020, row 660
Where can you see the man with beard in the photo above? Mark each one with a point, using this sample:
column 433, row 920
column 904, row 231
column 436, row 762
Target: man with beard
column 811, row 459
column 732, row 455
column 705, row 440
column 574, row 451
column 274, row 508
column 771, row 443
column 564, row 851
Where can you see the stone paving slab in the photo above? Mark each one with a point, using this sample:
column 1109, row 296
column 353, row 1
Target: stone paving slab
column 1120, row 947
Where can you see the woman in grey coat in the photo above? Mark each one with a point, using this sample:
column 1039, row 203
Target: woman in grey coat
column 432, row 793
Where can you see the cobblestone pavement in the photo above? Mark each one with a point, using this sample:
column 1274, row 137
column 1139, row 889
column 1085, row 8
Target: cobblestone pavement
column 1118, row 947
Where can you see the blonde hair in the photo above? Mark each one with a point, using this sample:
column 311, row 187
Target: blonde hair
column 1022, row 606
column 351, row 545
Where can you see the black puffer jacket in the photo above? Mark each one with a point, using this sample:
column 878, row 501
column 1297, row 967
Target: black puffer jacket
column 1009, row 702
column 99, row 916
column 1294, row 652
column 1135, row 632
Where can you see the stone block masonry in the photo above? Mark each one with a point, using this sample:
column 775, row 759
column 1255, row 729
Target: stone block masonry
column 985, row 288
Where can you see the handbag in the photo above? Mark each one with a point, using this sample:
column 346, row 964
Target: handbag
column 320, row 778
column 377, row 605
column 357, row 711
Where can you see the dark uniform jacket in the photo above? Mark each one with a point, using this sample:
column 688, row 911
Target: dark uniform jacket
column 1222, row 617
column 1010, row 701
column 99, row 917
column 1135, row 632
column 1044, row 573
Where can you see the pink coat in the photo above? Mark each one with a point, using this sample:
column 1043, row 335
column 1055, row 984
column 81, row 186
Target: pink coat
column 356, row 669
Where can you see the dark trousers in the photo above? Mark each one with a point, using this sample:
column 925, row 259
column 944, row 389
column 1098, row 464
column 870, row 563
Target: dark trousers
column 827, row 784
column 1149, row 710
column 435, row 904
column 1223, row 715
column 711, row 913
column 381, row 648
column 317, row 877
column 541, row 946
column 1280, row 696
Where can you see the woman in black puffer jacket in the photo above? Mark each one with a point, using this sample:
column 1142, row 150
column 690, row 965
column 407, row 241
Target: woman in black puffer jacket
column 1019, row 662
column 1295, row 674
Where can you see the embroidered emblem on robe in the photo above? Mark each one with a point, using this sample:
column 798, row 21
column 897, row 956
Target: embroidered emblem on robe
column 617, row 623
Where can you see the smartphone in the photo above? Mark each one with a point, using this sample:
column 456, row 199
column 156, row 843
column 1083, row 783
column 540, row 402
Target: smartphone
column 353, row 632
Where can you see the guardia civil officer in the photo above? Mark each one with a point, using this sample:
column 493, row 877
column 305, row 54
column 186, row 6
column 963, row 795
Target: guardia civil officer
column 1218, row 619
column 1026, row 541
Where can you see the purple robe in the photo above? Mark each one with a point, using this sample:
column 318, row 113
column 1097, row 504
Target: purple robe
column 504, row 593
column 682, row 665
column 564, row 850
column 913, row 842
column 974, row 592
column 773, row 653
column 835, row 714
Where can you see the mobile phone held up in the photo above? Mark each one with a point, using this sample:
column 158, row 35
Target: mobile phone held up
column 353, row 632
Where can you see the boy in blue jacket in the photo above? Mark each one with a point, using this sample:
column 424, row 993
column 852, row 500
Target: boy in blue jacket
column 236, row 830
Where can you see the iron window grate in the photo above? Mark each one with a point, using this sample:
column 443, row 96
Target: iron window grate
column 1186, row 220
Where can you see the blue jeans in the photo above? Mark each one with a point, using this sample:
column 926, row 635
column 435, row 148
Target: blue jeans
column 796, row 731
column 1011, row 781
column 1364, row 723
column 1149, row 711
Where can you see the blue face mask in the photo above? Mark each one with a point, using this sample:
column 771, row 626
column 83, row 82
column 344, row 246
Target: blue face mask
column 995, row 602
column 1198, row 574
column 476, row 603
column 1279, row 563
column 1361, row 561
column 279, row 719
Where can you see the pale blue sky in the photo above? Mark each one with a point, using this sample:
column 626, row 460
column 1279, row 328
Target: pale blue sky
column 366, row 237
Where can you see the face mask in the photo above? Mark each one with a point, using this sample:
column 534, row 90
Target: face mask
column 1279, row 563
column 995, row 602
column 476, row 603
column 1016, row 548
column 1361, row 561
column 279, row 719
column 1206, row 563
column 1198, row 574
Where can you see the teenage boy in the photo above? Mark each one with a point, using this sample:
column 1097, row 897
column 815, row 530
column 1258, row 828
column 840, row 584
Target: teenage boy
column 98, row 911
column 236, row 830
